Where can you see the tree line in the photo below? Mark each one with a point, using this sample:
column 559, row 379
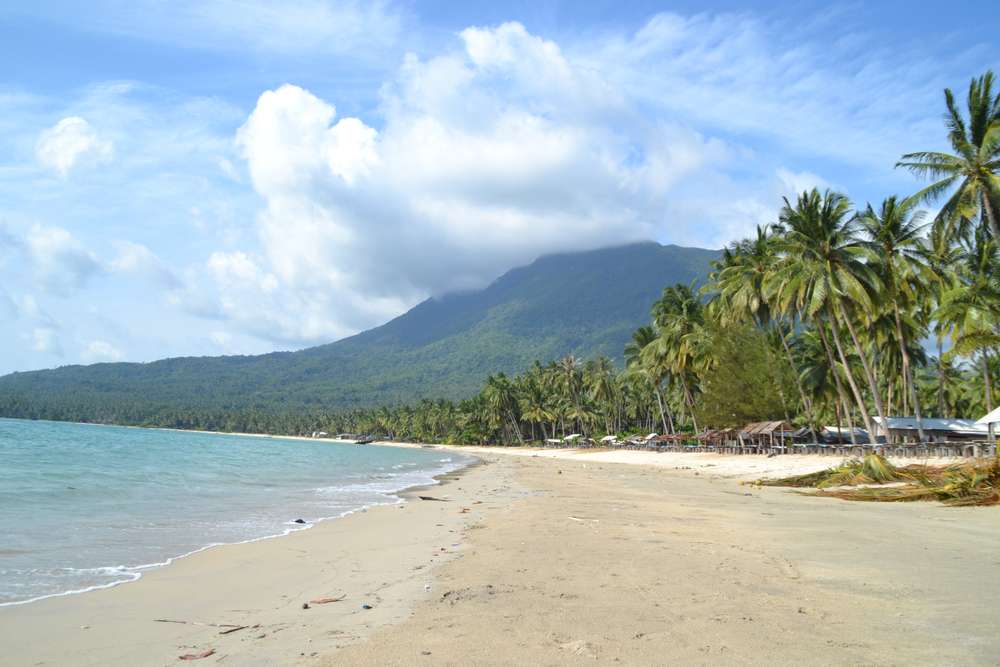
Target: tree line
column 822, row 317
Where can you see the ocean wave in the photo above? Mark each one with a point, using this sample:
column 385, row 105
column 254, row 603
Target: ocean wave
column 358, row 496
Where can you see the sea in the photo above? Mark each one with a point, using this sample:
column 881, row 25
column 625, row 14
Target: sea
column 86, row 506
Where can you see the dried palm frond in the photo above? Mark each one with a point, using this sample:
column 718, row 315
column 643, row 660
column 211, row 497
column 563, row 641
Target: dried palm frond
column 873, row 469
column 961, row 485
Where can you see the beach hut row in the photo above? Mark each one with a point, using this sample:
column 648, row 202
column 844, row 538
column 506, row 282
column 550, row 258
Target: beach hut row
column 898, row 437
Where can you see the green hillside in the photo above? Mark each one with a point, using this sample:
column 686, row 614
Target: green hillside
column 584, row 303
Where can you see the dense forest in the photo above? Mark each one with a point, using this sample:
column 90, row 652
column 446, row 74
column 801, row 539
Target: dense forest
column 833, row 314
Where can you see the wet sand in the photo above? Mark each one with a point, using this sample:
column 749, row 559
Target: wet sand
column 568, row 560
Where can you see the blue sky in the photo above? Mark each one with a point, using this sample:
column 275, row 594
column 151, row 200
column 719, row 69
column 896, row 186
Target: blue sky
column 222, row 177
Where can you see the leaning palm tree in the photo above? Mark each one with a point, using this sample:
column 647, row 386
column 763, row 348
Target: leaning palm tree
column 641, row 359
column 972, row 172
column 894, row 239
column 821, row 273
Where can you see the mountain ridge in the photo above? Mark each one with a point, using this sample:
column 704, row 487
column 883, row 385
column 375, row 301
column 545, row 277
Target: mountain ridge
column 584, row 303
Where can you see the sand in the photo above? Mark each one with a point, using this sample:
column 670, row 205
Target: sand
column 566, row 558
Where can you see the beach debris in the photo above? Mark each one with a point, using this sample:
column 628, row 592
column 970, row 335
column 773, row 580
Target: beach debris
column 305, row 605
column 236, row 629
column 301, row 521
column 464, row 510
column 232, row 626
column 327, row 600
column 874, row 479
column 197, row 656
column 367, row 606
column 440, row 500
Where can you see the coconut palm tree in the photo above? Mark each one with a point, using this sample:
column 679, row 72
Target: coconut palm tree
column 651, row 365
column 894, row 239
column 679, row 318
column 821, row 275
column 970, row 174
column 739, row 278
column 972, row 309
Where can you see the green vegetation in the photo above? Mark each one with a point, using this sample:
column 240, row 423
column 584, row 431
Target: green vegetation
column 817, row 319
column 586, row 304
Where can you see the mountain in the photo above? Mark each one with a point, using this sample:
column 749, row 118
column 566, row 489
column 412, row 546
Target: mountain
column 584, row 303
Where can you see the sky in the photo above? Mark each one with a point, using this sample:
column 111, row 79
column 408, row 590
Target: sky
column 204, row 177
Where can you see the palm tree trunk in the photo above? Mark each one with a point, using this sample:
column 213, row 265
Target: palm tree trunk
column 833, row 370
column 994, row 227
column 690, row 402
column 806, row 402
column 908, row 374
column 872, row 385
column 663, row 416
column 987, row 383
column 858, row 397
column 940, row 392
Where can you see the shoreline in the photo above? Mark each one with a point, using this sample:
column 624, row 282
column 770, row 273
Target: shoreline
column 559, row 559
column 137, row 572
column 82, row 617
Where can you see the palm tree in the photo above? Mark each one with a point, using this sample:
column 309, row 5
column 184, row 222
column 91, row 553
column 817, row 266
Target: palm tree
column 679, row 319
column 569, row 372
column 740, row 278
column 821, row 272
column 652, row 366
column 942, row 258
column 895, row 243
column 501, row 404
column 972, row 309
column 972, row 171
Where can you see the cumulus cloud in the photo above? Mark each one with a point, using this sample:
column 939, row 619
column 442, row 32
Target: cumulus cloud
column 60, row 263
column 100, row 351
column 488, row 157
column 70, row 142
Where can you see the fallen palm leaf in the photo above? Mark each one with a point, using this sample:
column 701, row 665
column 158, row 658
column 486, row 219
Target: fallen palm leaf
column 962, row 485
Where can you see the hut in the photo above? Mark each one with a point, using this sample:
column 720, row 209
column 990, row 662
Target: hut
column 717, row 439
column 760, row 437
column 904, row 429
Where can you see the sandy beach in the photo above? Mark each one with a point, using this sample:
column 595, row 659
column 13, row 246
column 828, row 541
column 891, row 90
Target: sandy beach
column 563, row 557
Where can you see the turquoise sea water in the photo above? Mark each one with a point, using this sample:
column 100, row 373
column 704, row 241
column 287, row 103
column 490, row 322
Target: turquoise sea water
column 86, row 506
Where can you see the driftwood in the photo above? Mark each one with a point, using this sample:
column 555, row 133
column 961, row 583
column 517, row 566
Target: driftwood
column 232, row 627
column 327, row 600
column 441, row 500
column 197, row 656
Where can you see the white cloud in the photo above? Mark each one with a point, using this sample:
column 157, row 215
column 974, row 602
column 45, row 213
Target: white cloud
column 59, row 261
column 100, row 351
column 69, row 142
column 795, row 183
column 356, row 28
column 808, row 86
column 221, row 339
column 487, row 158
column 137, row 259
column 45, row 340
